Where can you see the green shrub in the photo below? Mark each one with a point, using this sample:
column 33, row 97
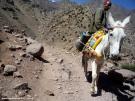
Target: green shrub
column 128, row 66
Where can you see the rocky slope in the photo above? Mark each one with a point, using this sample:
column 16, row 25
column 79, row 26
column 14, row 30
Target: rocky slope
column 18, row 70
column 63, row 27
column 20, row 15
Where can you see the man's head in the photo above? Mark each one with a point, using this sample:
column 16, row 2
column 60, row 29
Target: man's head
column 107, row 4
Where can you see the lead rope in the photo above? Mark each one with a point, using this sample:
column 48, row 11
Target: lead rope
column 104, row 55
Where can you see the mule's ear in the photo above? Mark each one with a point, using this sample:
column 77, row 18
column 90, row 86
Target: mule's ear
column 111, row 20
column 125, row 21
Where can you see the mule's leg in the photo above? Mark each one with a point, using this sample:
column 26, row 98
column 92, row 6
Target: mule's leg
column 98, row 73
column 96, row 82
column 94, row 78
column 85, row 68
column 85, row 63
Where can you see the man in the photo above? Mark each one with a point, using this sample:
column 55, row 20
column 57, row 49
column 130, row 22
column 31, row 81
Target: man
column 100, row 21
column 100, row 18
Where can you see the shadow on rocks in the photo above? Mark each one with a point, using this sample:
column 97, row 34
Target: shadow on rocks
column 42, row 59
column 113, row 82
column 1, row 41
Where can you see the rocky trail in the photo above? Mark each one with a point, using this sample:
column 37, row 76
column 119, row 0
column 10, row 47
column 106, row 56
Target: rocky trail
column 63, row 79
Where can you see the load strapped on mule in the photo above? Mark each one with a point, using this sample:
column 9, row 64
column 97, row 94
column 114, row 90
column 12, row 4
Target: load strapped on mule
column 89, row 43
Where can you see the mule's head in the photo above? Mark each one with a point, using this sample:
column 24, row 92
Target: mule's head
column 116, row 35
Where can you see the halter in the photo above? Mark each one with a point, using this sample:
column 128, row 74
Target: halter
column 118, row 27
column 109, row 29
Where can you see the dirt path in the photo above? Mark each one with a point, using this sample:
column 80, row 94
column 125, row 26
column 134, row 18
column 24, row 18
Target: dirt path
column 63, row 76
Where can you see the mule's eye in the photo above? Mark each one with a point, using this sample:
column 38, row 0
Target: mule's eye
column 111, row 34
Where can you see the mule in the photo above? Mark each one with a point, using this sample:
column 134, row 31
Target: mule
column 112, row 39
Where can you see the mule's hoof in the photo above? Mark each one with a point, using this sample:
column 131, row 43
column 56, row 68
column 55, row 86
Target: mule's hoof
column 93, row 92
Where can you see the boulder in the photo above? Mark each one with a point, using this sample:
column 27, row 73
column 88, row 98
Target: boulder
column 29, row 41
column 60, row 61
column 35, row 49
column 10, row 2
column 22, row 54
column 21, row 93
column 7, row 29
column 17, row 74
column 19, row 35
column 50, row 93
column 17, row 62
column 14, row 47
column 9, row 70
column 1, row 67
column 21, row 86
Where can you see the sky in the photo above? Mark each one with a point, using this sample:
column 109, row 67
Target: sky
column 129, row 4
